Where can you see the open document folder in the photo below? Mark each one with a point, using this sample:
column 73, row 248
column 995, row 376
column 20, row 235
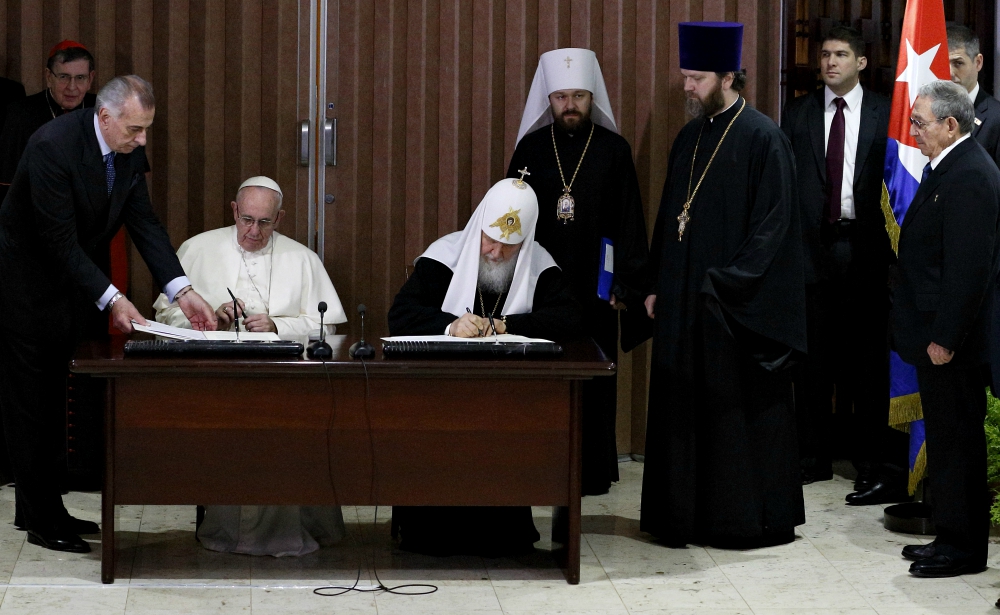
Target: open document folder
column 506, row 337
column 445, row 345
column 176, row 333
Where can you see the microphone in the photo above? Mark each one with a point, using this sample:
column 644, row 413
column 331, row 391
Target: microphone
column 362, row 349
column 320, row 349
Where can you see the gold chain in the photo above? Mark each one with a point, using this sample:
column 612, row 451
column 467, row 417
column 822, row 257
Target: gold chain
column 684, row 218
column 566, row 187
column 483, row 305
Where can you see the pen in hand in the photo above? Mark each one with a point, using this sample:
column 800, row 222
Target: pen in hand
column 468, row 311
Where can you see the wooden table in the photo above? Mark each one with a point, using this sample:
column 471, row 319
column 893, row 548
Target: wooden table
column 293, row 431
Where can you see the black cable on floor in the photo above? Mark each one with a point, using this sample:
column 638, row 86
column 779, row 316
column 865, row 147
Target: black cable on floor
column 379, row 586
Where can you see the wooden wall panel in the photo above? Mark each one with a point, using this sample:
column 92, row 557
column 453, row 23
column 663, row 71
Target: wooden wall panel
column 226, row 77
column 428, row 95
column 429, row 98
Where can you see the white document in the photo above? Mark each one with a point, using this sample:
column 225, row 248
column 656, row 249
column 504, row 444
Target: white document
column 174, row 333
column 177, row 333
column 506, row 337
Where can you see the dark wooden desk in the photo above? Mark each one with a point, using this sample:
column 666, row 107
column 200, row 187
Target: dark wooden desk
column 444, row 432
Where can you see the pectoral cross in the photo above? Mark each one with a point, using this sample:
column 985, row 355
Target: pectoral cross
column 567, row 61
column 683, row 219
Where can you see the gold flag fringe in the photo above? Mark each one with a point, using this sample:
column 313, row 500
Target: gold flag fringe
column 919, row 469
column 905, row 409
column 891, row 226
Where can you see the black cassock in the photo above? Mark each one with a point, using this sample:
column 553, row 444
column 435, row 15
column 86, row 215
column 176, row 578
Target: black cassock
column 23, row 118
column 608, row 204
column 479, row 530
column 722, row 463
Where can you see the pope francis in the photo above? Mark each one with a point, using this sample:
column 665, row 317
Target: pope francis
column 279, row 283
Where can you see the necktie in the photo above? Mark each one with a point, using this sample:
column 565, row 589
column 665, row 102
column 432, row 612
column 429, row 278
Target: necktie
column 835, row 163
column 109, row 170
column 927, row 171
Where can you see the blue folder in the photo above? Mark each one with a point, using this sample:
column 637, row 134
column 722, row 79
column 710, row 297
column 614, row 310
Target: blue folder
column 606, row 269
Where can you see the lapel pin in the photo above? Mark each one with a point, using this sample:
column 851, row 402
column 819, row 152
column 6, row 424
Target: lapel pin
column 979, row 122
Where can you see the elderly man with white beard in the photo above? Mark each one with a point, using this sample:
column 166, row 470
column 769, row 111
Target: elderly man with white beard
column 492, row 269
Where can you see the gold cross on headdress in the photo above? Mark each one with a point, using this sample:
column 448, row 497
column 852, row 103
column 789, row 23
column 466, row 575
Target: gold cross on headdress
column 523, row 172
column 567, row 61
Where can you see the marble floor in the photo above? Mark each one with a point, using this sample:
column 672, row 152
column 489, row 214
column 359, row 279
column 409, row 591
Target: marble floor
column 841, row 563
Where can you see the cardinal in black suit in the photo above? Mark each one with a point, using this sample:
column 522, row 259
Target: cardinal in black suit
column 943, row 286
column 82, row 176
column 839, row 178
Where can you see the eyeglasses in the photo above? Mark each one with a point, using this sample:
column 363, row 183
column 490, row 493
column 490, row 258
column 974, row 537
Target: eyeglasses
column 264, row 224
column 923, row 125
column 65, row 78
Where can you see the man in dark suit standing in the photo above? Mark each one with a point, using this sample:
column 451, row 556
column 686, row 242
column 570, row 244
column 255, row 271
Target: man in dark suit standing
column 838, row 135
column 82, row 176
column 966, row 62
column 943, row 286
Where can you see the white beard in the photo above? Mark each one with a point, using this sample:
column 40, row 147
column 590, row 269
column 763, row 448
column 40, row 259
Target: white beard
column 495, row 277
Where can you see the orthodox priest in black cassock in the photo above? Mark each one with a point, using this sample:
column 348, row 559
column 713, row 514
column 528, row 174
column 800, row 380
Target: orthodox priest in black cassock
column 495, row 268
column 721, row 453
column 568, row 112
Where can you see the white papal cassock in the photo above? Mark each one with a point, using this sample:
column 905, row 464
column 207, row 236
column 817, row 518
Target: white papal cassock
column 287, row 281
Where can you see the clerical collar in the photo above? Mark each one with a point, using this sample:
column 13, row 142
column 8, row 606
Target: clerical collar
column 725, row 111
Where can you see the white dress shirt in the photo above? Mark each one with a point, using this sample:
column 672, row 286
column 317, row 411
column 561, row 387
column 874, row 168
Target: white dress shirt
column 937, row 160
column 852, row 125
column 974, row 93
column 173, row 286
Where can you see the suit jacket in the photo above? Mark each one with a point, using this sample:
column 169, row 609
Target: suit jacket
column 10, row 92
column 802, row 122
column 948, row 257
column 57, row 220
column 987, row 131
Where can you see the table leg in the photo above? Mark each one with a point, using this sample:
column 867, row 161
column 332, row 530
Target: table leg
column 575, row 466
column 108, row 493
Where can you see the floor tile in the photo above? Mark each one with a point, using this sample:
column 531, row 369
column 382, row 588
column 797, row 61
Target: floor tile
column 188, row 600
column 98, row 600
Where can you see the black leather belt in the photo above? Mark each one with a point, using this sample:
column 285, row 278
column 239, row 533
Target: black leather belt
column 841, row 229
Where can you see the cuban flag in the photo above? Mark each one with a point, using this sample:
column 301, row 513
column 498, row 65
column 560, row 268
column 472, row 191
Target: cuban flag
column 923, row 57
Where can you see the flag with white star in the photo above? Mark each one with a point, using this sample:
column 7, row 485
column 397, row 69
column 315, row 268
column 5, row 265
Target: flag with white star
column 923, row 58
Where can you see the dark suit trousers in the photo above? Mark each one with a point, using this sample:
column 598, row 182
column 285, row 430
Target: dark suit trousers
column 848, row 360
column 33, row 379
column 954, row 402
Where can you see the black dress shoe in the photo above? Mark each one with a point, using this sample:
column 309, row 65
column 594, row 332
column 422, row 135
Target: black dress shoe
column 918, row 552
column 74, row 525
column 866, row 478
column 880, row 493
column 58, row 540
column 940, row 566
column 811, row 475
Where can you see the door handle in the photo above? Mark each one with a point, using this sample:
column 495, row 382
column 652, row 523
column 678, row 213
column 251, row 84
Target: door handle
column 330, row 141
column 304, row 143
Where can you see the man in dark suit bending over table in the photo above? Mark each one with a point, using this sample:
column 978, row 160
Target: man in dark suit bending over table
column 942, row 289
column 82, row 176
